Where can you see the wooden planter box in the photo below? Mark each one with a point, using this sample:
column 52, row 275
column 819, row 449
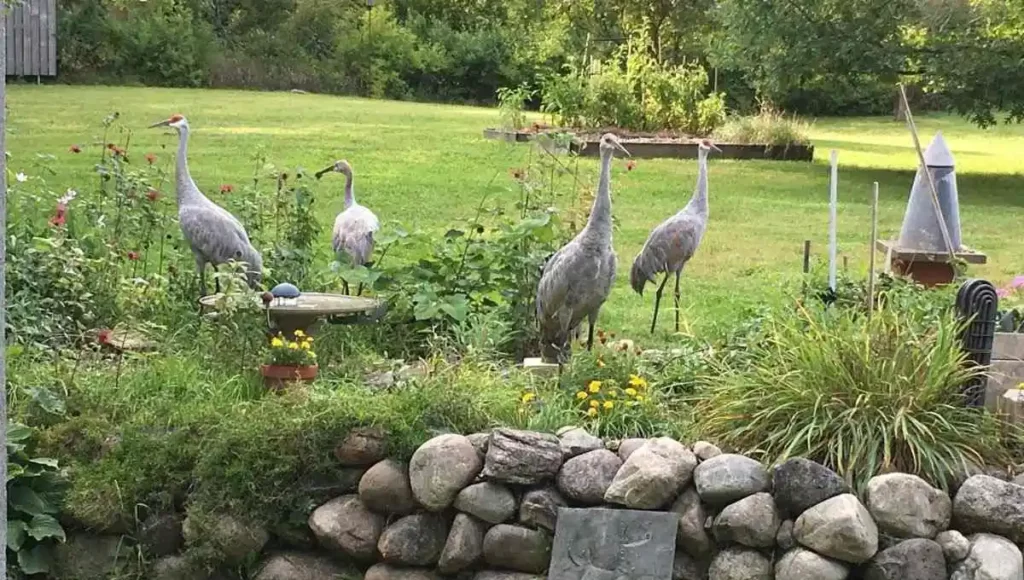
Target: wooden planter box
column 1007, row 369
column 648, row 148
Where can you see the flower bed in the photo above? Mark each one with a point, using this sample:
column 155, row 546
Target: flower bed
column 650, row 146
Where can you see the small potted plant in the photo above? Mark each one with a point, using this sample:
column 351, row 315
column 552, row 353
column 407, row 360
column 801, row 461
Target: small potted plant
column 289, row 361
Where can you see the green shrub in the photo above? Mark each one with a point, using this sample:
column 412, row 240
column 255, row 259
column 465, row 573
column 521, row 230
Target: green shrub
column 769, row 126
column 861, row 396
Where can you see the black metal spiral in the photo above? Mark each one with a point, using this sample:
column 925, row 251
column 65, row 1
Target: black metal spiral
column 978, row 302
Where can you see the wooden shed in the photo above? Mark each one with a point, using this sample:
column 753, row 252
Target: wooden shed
column 32, row 38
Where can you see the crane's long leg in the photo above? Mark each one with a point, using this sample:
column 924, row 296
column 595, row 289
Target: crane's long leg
column 657, row 302
column 677, row 299
column 590, row 332
column 201, row 270
column 359, row 289
column 344, row 286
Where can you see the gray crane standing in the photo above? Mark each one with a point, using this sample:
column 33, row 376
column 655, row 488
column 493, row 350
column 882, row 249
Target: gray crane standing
column 674, row 241
column 215, row 236
column 355, row 225
column 577, row 278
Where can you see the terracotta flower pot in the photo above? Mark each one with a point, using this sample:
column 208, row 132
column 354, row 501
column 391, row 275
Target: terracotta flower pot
column 277, row 377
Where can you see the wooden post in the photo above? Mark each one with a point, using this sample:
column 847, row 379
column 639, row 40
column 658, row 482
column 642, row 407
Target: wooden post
column 871, row 250
column 807, row 256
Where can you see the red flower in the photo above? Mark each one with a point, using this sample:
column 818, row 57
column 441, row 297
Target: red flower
column 227, row 188
column 150, row 158
column 133, row 255
column 59, row 217
column 517, row 173
column 152, row 195
column 75, row 149
column 103, row 336
column 630, row 165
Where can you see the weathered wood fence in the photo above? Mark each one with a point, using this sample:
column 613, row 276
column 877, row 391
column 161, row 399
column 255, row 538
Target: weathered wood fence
column 32, row 38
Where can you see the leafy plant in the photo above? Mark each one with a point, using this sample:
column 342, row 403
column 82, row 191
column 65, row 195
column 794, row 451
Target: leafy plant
column 35, row 486
column 769, row 126
column 511, row 101
column 1011, row 306
column 862, row 396
column 297, row 352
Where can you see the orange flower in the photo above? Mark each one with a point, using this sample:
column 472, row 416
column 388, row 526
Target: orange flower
column 227, row 188
column 150, row 158
column 75, row 149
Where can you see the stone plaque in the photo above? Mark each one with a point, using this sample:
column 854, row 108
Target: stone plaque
column 612, row 544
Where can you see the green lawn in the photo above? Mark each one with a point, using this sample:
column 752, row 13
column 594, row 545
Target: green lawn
column 428, row 165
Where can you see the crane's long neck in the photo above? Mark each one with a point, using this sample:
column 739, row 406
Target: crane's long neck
column 350, row 196
column 600, row 220
column 699, row 201
column 186, row 188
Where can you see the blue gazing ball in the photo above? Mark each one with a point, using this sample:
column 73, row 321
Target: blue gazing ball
column 285, row 290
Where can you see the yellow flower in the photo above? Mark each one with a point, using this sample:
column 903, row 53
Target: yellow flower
column 631, row 392
column 299, row 333
column 600, row 364
column 312, row 355
column 293, row 345
column 640, row 398
column 638, row 382
column 608, row 404
column 594, row 386
column 594, row 404
column 305, row 346
column 613, row 393
column 276, row 342
column 581, row 395
column 527, row 397
column 592, row 412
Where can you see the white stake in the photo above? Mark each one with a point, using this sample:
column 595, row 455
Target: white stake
column 834, row 194
column 871, row 249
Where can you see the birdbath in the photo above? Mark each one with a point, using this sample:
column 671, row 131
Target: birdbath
column 305, row 310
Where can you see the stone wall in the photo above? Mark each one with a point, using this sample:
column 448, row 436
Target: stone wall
column 485, row 507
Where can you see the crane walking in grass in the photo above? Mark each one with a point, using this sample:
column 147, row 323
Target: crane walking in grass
column 577, row 278
column 215, row 236
column 674, row 241
column 354, row 227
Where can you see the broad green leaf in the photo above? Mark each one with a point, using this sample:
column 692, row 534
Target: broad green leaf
column 18, row 432
column 26, row 500
column 36, row 560
column 47, row 400
column 45, row 526
column 47, row 461
column 16, row 534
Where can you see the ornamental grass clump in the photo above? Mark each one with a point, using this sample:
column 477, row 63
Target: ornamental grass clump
column 863, row 396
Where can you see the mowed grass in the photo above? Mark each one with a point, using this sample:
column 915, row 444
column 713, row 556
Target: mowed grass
column 427, row 166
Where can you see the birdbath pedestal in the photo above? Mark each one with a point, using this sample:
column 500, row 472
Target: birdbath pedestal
column 305, row 311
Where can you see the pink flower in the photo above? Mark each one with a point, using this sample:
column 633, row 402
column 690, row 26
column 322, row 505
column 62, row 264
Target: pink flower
column 133, row 255
column 1002, row 293
column 1017, row 282
column 60, row 216
column 152, row 195
column 227, row 188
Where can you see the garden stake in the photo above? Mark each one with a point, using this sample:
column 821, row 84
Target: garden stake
column 928, row 176
column 871, row 250
column 807, row 256
column 833, row 200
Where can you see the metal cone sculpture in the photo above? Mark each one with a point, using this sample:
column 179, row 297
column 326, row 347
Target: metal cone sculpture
column 921, row 231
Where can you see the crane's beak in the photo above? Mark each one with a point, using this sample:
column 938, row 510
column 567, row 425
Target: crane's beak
column 320, row 173
column 621, row 148
column 715, row 147
column 163, row 123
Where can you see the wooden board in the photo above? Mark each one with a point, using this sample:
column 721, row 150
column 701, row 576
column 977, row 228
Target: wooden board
column 32, row 38
column 970, row 257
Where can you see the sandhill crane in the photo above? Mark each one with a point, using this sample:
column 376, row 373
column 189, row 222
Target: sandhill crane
column 577, row 278
column 215, row 236
column 674, row 241
column 355, row 225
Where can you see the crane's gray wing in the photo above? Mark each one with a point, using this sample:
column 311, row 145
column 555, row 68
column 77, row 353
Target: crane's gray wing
column 671, row 244
column 575, row 282
column 353, row 233
column 216, row 235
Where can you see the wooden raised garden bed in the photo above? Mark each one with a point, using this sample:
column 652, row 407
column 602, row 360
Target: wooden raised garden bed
column 658, row 146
